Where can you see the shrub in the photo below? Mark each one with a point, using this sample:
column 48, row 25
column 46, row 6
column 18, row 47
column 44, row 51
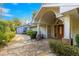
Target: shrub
column 77, row 39
column 6, row 26
column 62, row 49
column 9, row 36
column 6, row 37
column 7, row 31
column 2, row 38
column 31, row 33
column 3, row 25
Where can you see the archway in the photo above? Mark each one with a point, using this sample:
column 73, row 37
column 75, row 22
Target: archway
column 48, row 20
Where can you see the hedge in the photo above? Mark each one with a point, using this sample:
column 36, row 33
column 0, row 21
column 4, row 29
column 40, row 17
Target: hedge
column 77, row 39
column 2, row 38
column 62, row 49
column 9, row 36
column 6, row 37
column 7, row 31
column 31, row 33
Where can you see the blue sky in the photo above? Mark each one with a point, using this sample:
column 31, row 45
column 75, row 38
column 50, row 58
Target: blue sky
column 19, row 10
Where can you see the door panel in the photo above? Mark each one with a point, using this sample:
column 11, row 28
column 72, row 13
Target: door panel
column 59, row 31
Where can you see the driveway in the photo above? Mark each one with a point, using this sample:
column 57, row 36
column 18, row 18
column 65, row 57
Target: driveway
column 22, row 45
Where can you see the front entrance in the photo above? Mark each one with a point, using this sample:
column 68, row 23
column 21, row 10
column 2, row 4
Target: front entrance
column 59, row 31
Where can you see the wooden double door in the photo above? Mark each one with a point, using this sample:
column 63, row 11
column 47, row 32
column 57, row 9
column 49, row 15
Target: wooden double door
column 59, row 31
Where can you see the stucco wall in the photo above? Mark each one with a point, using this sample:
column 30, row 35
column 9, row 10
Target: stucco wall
column 74, row 26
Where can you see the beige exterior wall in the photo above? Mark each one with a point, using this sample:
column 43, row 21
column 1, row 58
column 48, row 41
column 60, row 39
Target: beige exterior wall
column 74, row 26
column 71, row 24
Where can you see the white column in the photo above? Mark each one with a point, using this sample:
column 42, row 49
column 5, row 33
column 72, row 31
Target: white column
column 46, row 31
column 38, row 29
column 66, row 27
column 38, row 26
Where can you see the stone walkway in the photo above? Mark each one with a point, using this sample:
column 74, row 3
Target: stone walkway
column 22, row 45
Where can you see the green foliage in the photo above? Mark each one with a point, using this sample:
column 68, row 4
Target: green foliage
column 7, row 31
column 31, row 33
column 11, row 25
column 9, row 36
column 2, row 38
column 62, row 49
column 12, row 29
column 3, row 25
column 6, row 37
column 16, row 21
column 77, row 39
column 6, row 26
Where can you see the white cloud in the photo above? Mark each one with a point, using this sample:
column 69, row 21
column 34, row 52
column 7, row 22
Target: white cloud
column 5, row 12
column 9, row 15
column 15, row 3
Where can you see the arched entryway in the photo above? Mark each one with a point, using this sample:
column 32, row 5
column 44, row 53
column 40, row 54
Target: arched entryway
column 50, row 26
column 47, row 21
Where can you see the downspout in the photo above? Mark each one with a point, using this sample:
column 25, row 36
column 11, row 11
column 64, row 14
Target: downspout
column 71, row 39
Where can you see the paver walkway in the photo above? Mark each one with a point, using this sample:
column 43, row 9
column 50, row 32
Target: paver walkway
column 22, row 45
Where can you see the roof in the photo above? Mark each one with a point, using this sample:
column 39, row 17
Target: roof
column 27, row 25
column 63, row 7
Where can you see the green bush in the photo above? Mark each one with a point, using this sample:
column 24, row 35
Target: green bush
column 62, row 49
column 31, row 33
column 6, row 37
column 6, row 26
column 3, row 25
column 9, row 36
column 2, row 38
column 7, row 31
column 77, row 39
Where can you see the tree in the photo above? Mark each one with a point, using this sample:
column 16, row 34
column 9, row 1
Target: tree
column 16, row 21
